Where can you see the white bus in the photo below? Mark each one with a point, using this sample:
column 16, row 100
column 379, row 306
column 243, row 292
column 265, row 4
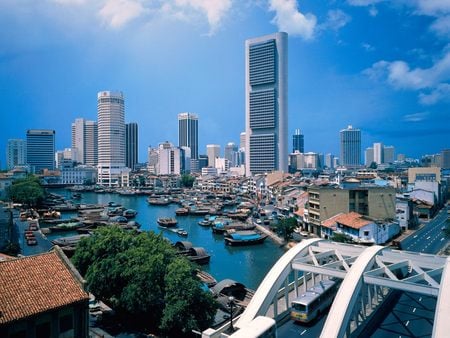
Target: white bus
column 314, row 301
column 260, row 327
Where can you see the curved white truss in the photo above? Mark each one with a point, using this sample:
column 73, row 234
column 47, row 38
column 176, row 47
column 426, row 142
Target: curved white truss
column 348, row 294
column 273, row 281
column 441, row 326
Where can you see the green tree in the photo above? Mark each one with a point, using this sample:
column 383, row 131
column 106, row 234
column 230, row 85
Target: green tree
column 27, row 191
column 286, row 227
column 187, row 306
column 129, row 271
column 187, row 181
column 342, row 238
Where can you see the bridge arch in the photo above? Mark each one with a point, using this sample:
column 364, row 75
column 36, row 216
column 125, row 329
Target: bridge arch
column 268, row 289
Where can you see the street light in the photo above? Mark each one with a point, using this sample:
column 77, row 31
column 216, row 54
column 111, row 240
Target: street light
column 230, row 303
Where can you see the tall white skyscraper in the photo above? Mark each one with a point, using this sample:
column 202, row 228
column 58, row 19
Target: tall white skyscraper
column 350, row 147
column 212, row 151
column 266, row 112
column 378, row 157
column 111, row 139
column 84, row 141
column 188, row 132
column 16, row 153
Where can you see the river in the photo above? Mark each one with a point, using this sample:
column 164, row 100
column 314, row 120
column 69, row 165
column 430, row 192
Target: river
column 247, row 265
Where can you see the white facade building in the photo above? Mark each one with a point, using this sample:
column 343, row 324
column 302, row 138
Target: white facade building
column 169, row 159
column 111, row 139
column 266, row 104
column 84, row 141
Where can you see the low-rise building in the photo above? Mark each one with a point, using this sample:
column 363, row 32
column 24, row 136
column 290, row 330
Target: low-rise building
column 42, row 296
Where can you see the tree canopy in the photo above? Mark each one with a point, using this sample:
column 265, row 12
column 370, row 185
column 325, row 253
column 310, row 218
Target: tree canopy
column 27, row 191
column 342, row 238
column 147, row 284
column 286, row 227
column 187, row 181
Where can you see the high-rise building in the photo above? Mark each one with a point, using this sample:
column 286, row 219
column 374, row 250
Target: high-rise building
column 242, row 140
column 84, row 141
column 188, row 132
column 266, row 112
column 168, row 159
column 16, row 153
column 368, row 156
column 329, row 161
column 378, row 157
column 131, row 145
column 41, row 149
column 213, row 151
column 350, row 147
column 445, row 159
column 298, row 142
column 111, row 139
column 388, row 154
column 230, row 154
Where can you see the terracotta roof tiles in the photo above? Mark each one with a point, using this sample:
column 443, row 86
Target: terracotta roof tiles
column 36, row 284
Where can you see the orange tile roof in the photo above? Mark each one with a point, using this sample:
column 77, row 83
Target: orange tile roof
column 331, row 222
column 37, row 284
column 353, row 220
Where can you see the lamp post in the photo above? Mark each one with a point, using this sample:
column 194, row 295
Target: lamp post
column 230, row 303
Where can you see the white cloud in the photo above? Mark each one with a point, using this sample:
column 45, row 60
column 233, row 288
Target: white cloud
column 441, row 26
column 432, row 7
column 336, row 19
column 440, row 93
column 289, row 19
column 367, row 47
column 214, row 10
column 373, row 11
column 363, row 2
column 117, row 13
column 416, row 117
column 401, row 76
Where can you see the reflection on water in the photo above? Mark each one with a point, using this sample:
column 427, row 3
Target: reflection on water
column 247, row 265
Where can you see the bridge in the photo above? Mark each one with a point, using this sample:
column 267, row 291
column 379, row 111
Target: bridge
column 369, row 276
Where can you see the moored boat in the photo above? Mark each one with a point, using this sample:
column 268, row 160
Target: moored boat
column 245, row 237
column 130, row 213
column 167, row 222
column 182, row 211
column 158, row 201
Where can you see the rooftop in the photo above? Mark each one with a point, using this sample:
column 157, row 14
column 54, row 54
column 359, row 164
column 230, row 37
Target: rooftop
column 37, row 284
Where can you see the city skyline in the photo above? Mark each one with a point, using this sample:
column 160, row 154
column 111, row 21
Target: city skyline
column 391, row 81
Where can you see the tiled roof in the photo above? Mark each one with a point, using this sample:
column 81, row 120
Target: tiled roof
column 36, row 284
column 331, row 222
column 353, row 220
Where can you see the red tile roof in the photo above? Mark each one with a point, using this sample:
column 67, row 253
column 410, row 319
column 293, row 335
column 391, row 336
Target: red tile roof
column 331, row 222
column 353, row 220
column 36, row 284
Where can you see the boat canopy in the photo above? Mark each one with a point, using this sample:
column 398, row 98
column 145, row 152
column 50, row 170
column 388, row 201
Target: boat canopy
column 244, row 235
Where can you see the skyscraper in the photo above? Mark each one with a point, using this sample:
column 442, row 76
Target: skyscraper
column 131, row 142
column 40, row 149
column 16, row 153
column 350, row 147
column 445, row 159
column 266, row 103
column 298, row 142
column 388, row 154
column 378, row 155
column 111, row 139
column 230, row 153
column 368, row 156
column 213, row 151
column 84, row 141
column 188, row 132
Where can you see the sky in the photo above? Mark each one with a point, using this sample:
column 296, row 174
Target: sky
column 382, row 66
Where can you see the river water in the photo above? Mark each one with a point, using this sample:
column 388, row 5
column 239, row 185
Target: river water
column 247, row 264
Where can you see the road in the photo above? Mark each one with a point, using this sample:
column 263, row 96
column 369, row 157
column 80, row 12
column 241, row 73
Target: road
column 412, row 315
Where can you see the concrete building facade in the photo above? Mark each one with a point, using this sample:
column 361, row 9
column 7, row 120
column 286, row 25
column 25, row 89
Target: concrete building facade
column 266, row 116
column 40, row 149
column 16, row 153
column 350, row 147
column 131, row 145
column 188, row 132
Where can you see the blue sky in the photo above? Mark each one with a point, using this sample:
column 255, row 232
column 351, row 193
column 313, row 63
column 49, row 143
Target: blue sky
column 380, row 65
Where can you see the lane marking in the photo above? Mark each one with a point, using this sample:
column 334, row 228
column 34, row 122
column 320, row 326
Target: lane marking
column 407, row 323
column 414, row 310
column 303, row 332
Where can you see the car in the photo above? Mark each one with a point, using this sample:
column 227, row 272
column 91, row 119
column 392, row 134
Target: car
column 258, row 221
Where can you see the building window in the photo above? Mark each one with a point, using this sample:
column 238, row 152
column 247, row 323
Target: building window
column 366, row 233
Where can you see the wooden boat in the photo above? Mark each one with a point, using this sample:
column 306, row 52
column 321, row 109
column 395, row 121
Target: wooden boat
column 205, row 223
column 158, row 201
column 130, row 213
column 198, row 255
column 167, row 222
column 246, row 237
column 223, row 224
column 206, row 278
column 182, row 211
